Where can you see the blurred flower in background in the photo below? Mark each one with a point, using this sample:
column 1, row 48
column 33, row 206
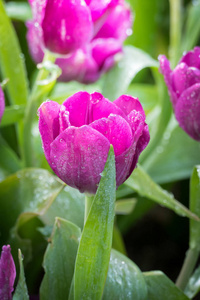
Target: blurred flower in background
column 184, row 89
column 77, row 135
column 7, row 273
column 2, row 103
column 91, row 34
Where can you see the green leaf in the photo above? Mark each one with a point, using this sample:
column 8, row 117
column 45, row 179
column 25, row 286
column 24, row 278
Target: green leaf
column 9, row 162
column 161, row 287
column 28, row 193
column 125, row 206
column 69, row 205
column 195, row 208
column 192, row 29
column 21, row 292
column 124, row 279
column 119, row 78
column 19, row 11
column 146, row 93
column 59, row 260
column 142, row 183
column 193, row 286
column 12, row 61
column 171, row 161
column 12, row 114
column 95, row 245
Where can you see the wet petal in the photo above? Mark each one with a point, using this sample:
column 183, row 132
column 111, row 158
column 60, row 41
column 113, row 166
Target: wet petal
column 166, row 71
column 102, row 49
column 48, row 124
column 35, row 41
column 188, row 111
column 128, row 103
column 78, row 156
column 67, row 25
column 118, row 24
column 116, row 130
column 183, row 77
column 192, row 58
column 90, row 107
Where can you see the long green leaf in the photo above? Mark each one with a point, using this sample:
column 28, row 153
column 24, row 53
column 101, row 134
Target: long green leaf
column 142, row 183
column 95, row 245
column 119, row 78
column 21, row 292
column 195, row 208
column 59, row 260
column 11, row 61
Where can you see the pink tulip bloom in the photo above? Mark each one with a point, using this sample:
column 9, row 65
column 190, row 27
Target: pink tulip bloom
column 2, row 103
column 184, row 89
column 7, row 273
column 91, row 33
column 76, row 137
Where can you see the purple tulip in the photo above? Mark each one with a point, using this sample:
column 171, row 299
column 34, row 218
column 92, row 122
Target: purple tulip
column 76, row 137
column 7, row 273
column 93, row 49
column 184, row 89
column 2, row 103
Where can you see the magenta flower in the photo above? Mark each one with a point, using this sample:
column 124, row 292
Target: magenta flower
column 7, row 273
column 62, row 26
column 94, row 45
column 2, row 103
column 184, row 89
column 76, row 137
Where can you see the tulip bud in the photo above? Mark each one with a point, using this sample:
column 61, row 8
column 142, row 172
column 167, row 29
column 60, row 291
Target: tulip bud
column 76, row 137
column 7, row 273
column 184, row 89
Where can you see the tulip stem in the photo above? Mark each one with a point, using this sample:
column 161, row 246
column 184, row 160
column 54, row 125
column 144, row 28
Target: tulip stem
column 31, row 111
column 88, row 203
column 175, row 30
column 187, row 268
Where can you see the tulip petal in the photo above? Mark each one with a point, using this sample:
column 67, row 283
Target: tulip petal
column 90, row 107
column 187, row 111
column 117, row 130
column 7, row 273
column 78, row 156
column 118, row 24
column 183, row 77
column 192, row 58
column 34, row 37
column 48, row 124
column 128, row 103
column 80, row 66
column 67, row 25
column 103, row 49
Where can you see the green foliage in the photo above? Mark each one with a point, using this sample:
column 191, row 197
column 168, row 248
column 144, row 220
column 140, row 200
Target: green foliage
column 95, row 245
column 161, row 287
column 21, row 292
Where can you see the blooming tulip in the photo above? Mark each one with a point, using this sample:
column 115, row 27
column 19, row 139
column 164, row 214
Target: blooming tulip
column 76, row 137
column 99, row 45
column 184, row 89
column 7, row 273
column 2, row 103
